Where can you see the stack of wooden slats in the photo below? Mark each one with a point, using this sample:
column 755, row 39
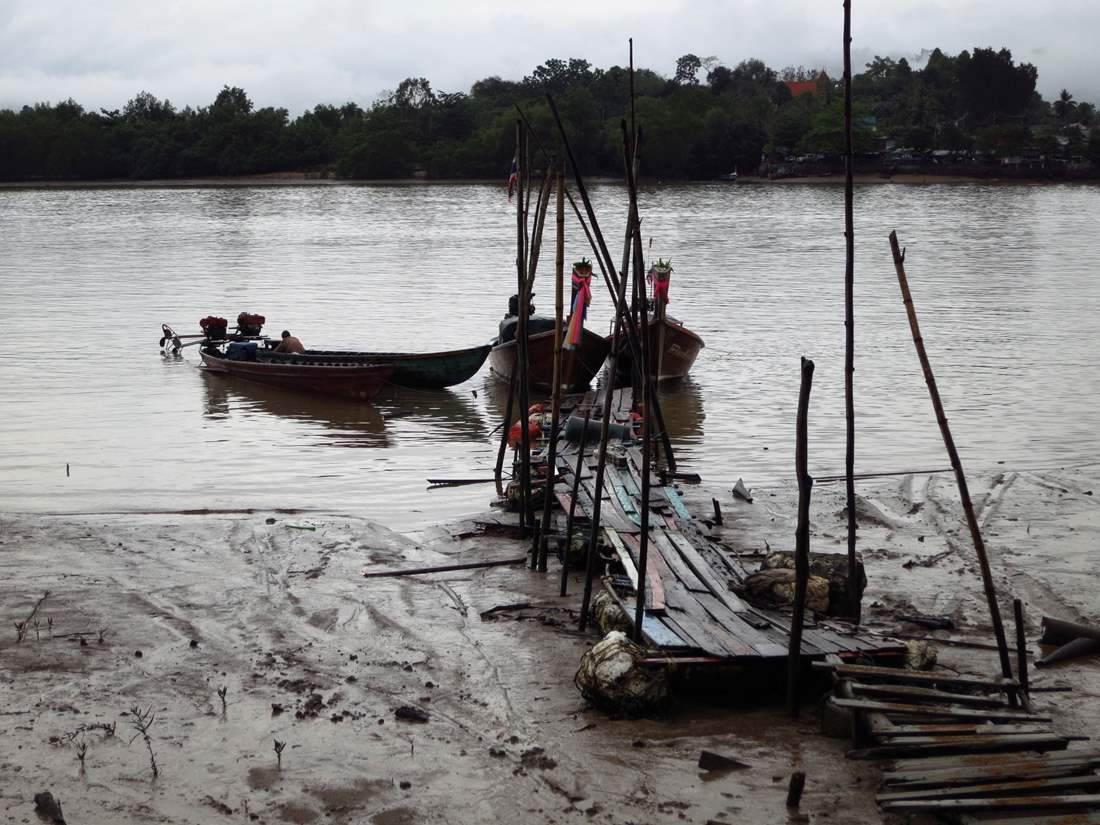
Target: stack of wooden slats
column 965, row 746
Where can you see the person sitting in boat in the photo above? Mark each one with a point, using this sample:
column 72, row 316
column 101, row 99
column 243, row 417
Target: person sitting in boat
column 290, row 344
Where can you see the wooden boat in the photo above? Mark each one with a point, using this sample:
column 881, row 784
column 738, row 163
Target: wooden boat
column 673, row 349
column 579, row 365
column 349, row 379
column 428, row 370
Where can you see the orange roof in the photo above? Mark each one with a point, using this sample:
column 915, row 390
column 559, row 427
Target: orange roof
column 804, row 87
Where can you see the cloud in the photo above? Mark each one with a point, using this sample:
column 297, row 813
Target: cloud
column 298, row 54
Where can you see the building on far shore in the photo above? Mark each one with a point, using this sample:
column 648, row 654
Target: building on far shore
column 807, row 87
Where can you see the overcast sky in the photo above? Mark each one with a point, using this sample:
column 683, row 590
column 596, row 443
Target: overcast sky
column 297, row 54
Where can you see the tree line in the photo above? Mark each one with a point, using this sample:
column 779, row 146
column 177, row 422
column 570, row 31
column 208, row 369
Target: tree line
column 704, row 120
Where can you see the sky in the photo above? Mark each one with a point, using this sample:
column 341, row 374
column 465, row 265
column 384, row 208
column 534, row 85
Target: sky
column 298, row 54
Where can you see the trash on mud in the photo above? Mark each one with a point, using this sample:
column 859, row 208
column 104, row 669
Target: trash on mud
column 931, row 622
column 919, row 655
column 710, row 761
column 833, row 567
column 611, row 678
column 410, row 713
column 776, row 587
column 741, row 491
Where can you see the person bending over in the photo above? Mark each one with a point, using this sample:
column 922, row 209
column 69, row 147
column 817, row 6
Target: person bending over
column 290, row 344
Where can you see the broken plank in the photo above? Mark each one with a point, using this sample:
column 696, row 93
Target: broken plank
column 655, row 595
column 940, row 745
column 897, row 674
column 705, row 573
column 1060, row 783
column 764, row 644
column 997, row 802
column 677, row 503
column 918, row 694
column 675, row 563
column 902, row 709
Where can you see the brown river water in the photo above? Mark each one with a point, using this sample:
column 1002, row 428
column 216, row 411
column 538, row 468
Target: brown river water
column 1004, row 279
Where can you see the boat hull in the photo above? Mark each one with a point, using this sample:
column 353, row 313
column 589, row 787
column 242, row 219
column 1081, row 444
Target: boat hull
column 673, row 349
column 430, row 370
column 350, row 380
column 579, row 364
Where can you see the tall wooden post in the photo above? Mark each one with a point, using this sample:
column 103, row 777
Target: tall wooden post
column 502, row 449
column 555, row 404
column 521, row 331
column 801, row 537
column 854, row 602
column 956, row 464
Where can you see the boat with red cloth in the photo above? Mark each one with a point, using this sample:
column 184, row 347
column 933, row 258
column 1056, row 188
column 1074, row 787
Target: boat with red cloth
column 317, row 375
column 673, row 347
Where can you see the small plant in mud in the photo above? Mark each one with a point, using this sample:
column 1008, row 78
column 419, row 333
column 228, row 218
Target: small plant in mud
column 49, row 624
column 102, row 635
column 37, row 632
column 81, row 748
column 279, row 746
column 143, row 721
column 222, row 692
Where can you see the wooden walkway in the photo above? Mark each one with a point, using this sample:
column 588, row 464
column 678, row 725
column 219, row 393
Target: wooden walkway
column 690, row 609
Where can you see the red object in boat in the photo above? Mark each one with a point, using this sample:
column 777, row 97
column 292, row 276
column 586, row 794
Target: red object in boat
column 534, row 431
column 357, row 380
column 214, row 327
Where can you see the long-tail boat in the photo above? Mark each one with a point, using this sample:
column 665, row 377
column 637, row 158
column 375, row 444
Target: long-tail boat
column 673, row 347
column 583, row 351
column 428, row 370
column 349, row 379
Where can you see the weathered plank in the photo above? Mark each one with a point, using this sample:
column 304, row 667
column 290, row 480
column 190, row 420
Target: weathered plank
column 1045, row 802
column 762, row 643
column 896, row 674
column 902, row 709
column 1018, row 787
column 1084, row 757
column 956, row 729
column 705, row 573
column 677, row 503
column 939, row 745
column 660, row 540
column 923, row 694
column 655, row 598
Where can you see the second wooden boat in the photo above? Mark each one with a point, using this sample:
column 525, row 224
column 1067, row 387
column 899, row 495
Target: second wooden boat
column 579, row 365
column 428, row 370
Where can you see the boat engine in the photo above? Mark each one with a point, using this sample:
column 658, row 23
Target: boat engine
column 214, row 328
column 249, row 324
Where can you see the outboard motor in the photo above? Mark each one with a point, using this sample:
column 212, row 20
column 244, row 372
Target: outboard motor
column 214, row 328
column 250, row 325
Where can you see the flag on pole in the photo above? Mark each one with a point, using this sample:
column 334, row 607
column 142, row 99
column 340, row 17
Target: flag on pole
column 513, row 178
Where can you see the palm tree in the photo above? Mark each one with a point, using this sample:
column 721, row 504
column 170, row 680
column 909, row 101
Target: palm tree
column 1064, row 106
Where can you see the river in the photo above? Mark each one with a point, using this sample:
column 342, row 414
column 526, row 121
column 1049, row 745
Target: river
column 94, row 418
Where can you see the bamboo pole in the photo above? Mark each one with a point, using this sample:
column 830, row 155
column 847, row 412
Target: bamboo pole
column 854, row 601
column 801, row 537
column 502, row 449
column 630, row 156
column 555, row 404
column 573, row 501
column 601, row 461
column 956, row 464
column 620, row 303
column 520, row 366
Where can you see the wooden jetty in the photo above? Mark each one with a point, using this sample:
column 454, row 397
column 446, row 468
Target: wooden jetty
column 691, row 612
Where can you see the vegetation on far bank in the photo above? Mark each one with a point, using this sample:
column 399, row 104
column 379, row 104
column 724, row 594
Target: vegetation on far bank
column 707, row 119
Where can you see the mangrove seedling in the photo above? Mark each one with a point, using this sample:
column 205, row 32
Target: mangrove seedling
column 279, row 752
column 222, row 691
column 143, row 721
column 81, row 750
column 49, row 624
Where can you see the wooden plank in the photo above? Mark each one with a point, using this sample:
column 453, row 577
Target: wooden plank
column 960, row 729
column 902, row 709
column 675, row 563
column 938, row 745
column 1003, row 773
column 685, row 624
column 1075, row 818
column 994, row 803
column 1086, row 758
column 1060, row 783
column 919, row 694
column 655, row 598
column 677, row 503
column 660, row 633
column 896, row 674
column 705, row 573
column 760, row 642
column 610, row 513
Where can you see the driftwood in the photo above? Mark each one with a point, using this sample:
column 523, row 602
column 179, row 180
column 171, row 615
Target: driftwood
column 442, row 568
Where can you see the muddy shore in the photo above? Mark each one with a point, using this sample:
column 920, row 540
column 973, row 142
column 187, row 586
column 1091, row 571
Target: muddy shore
column 161, row 611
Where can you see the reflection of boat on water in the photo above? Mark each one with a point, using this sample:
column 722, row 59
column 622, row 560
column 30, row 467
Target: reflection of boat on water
column 323, row 376
column 353, row 423
column 450, row 414
column 682, row 407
